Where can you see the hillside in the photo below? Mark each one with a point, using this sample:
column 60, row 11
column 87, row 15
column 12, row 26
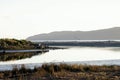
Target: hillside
column 15, row 44
column 103, row 34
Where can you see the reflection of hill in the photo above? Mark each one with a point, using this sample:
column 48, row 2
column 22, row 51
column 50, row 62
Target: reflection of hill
column 115, row 49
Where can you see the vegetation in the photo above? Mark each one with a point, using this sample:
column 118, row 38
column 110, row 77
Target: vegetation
column 63, row 72
column 85, row 43
column 15, row 44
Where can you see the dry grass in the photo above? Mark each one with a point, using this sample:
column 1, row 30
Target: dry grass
column 63, row 72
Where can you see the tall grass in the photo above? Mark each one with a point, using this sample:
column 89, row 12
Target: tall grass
column 63, row 72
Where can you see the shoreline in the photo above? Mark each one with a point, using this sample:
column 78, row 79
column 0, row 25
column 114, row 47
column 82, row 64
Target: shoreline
column 92, row 63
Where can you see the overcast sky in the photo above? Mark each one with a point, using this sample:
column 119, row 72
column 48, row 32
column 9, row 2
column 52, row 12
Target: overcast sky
column 23, row 18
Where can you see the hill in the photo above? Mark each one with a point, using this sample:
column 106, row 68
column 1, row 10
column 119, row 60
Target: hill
column 15, row 44
column 103, row 34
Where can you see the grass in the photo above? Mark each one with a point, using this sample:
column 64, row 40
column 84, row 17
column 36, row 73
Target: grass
column 15, row 44
column 63, row 72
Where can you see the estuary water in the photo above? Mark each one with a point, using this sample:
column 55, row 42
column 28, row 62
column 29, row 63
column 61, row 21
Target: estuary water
column 71, row 55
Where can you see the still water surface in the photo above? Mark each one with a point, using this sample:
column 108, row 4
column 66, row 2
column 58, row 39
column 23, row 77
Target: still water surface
column 79, row 55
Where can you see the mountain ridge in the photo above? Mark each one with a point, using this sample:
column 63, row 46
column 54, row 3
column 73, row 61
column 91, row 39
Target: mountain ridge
column 102, row 34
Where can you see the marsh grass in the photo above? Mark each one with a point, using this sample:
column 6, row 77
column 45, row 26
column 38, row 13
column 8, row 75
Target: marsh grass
column 63, row 72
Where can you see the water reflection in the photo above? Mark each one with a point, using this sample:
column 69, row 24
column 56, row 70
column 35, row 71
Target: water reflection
column 17, row 56
column 117, row 49
column 72, row 54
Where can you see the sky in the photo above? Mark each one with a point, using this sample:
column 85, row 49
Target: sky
column 23, row 18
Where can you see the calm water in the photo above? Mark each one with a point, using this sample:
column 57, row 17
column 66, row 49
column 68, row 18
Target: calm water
column 78, row 55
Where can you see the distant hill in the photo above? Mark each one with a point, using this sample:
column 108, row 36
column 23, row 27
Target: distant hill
column 103, row 34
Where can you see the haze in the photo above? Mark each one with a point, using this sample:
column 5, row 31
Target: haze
column 23, row 18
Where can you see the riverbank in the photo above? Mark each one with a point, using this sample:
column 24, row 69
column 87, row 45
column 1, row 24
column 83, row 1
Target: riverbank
column 13, row 49
column 63, row 72
column 91, row 43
